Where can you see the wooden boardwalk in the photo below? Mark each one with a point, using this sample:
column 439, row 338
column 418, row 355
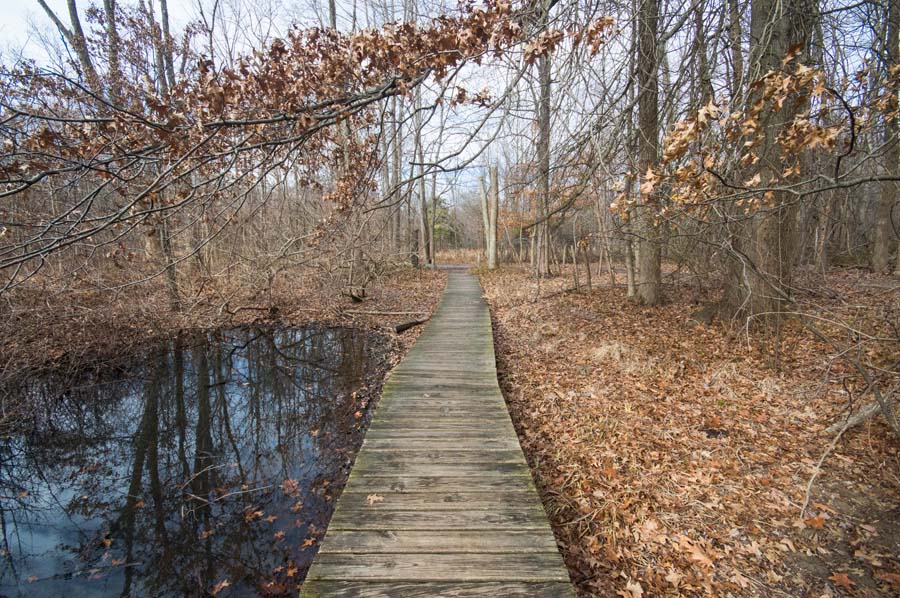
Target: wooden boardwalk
column 440, row 501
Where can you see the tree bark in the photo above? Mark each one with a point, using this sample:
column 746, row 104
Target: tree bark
column 762, row 245
column 396, row 227
column 897, row 262
column 649, row 269
column 735, row 33
column 704, row 77
column 883, row 240
column 542, row 259
column 75, row 37
column 631, row 291
column 113, row 43
column 493, row 210
column 485, row 217
column 167, row 45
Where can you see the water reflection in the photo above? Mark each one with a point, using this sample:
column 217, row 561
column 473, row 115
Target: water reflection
column 213, row 465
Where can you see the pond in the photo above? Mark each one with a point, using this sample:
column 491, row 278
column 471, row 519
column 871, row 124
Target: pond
column 206, row 466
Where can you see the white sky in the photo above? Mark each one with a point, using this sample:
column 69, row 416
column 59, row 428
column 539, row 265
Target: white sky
column 16, row 16
column 18, row 19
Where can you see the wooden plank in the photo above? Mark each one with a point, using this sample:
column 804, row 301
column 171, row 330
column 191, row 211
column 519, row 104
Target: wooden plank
column 457, row 567
column 459, row 427
column 475, row 542
column 349, row 589
column 417, row 444
column 431, row 392
column 438, row 470
column 416, row 423
column 500, row 518
column 483, row 402
column 464, row 500
column 435, row 434
column 437, row 484
column 369, row 460
column 422, row 409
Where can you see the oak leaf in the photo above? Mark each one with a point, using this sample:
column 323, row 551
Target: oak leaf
column 842, row 580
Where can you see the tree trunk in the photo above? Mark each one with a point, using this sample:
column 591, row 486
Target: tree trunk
column 164, row 241
column 629, row 270
column 493, row 210
column 760, row 272
column 159, row 55
column 434, row 204
column 884, row 231
column 821, row 246
column 167, row 45
column 75, row 38
column 386, row 189
column 396, row 227
column 704, row 77
column 542, row 259
column 737, row 54
column 897, row 262
column 485, row 217
column 649, row 268
column 113, row 42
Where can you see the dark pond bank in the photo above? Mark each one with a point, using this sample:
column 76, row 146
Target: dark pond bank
column 207, row 464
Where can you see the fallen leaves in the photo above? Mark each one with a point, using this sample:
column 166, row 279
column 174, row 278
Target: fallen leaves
column 695, row 553
column 374, row 498
column 670, row 456
column 815, row 522
column 290, row 487
column 633, row 589
column 842, row 580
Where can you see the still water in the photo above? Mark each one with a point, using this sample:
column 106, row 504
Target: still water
column 207, row 466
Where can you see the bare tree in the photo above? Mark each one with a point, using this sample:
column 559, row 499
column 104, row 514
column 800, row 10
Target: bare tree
column 883, row 241
column 649, row 272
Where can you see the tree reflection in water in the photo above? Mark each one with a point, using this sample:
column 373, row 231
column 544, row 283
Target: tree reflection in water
column 215, row 459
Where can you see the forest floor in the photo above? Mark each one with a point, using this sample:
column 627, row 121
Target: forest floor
column 674, row 457
column 53, row 329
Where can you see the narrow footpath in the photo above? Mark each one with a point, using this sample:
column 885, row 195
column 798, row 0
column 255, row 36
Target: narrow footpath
column 440, row 501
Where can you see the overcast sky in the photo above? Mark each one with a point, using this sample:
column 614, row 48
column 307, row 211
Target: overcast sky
column 19, row 17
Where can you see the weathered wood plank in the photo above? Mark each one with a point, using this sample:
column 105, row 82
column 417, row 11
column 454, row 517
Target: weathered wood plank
column 465, row 567
column 439, row 470
column 437, row 484
column 417, row 443
column 464, row 500
column 433, row 433
column 475, row 542
column 421, row 409
column 461, row 427
column 349, row 589
column 500, row 518
column 449, row 457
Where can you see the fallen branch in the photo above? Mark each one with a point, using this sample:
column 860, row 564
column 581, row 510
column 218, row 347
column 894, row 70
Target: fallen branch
column 407, row 325
column 225, row 308
column 809, row 485
column 864, row 414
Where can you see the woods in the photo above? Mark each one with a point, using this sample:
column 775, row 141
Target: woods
column 724, row 171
